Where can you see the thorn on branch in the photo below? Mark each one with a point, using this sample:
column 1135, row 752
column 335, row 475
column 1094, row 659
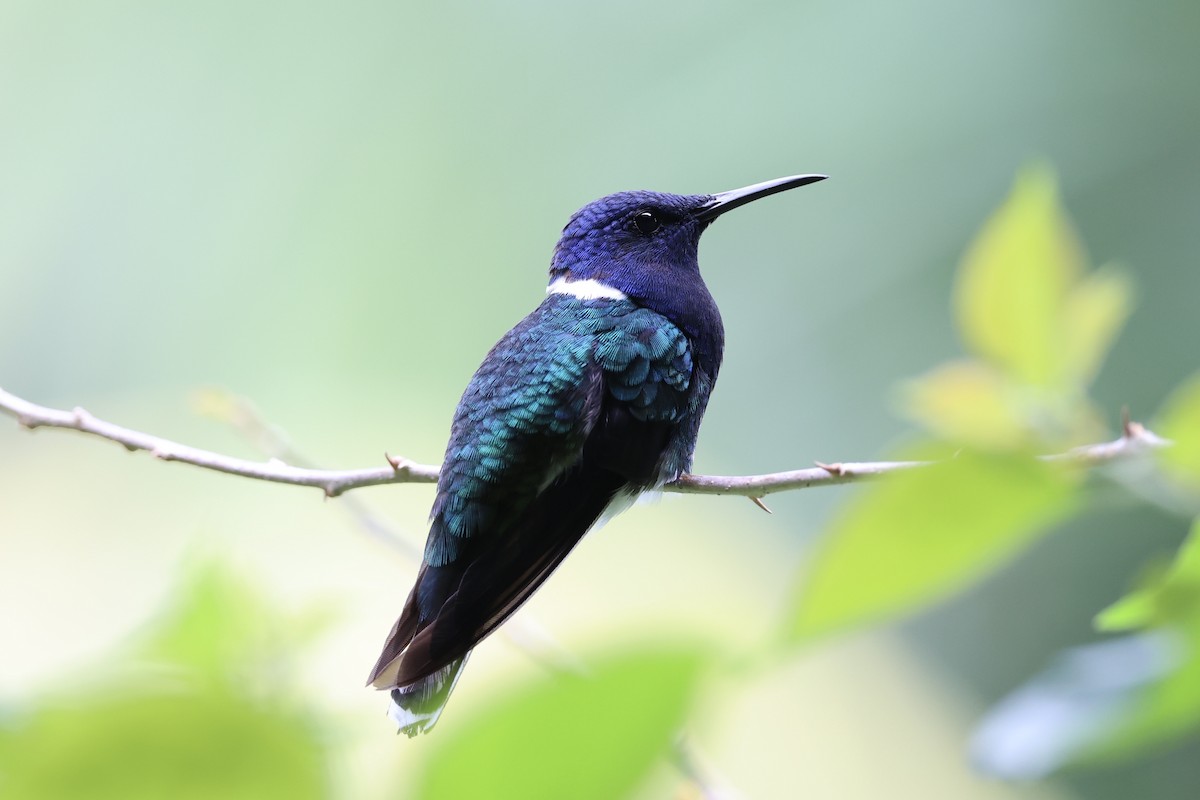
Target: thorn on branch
column 758, row 501
column 399, row 463
column 837, row 470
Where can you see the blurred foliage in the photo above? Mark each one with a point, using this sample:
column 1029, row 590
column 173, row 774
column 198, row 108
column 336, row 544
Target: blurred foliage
column 1113, row 700
column 1024, row 300
column 920, row 534
column 1070, row 710
column 225, row 635
column 1169, row 605
column 1043, row 326
column 1168, row 598
column 1038, row 325
column 207, row 712
column 620, row 718
column 1180, row 422
column 190, row 743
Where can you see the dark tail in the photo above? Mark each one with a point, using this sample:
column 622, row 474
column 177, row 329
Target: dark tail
column 455, row 604
column 416, row 707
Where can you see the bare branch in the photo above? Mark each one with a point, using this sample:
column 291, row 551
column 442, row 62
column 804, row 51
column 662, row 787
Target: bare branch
column 759, row 486
column 1136, row 439
column 332, row 482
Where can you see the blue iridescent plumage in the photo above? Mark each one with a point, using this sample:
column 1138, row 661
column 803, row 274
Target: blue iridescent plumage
column 595, row 396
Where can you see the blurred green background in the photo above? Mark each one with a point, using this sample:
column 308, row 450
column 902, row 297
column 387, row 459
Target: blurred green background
column 335, row 209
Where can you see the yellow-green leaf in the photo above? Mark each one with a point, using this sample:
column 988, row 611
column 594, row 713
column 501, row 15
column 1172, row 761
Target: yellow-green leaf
column 967, row 402
column 1014, row 280
column 921, row 534
column 1093, row 314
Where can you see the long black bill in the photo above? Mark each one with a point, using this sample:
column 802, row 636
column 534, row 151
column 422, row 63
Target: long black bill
column 727, row 201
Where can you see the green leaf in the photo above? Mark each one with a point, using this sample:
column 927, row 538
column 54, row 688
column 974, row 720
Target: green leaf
column 1135, row 610
column 1172, row 599
column 921, row 534
column 1015, row 278
column 1180, row 422
column 570, row 736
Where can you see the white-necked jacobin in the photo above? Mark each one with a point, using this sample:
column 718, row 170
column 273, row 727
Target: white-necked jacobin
column 590, row 400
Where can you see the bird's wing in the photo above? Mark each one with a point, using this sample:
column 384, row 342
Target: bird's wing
column 573, row 407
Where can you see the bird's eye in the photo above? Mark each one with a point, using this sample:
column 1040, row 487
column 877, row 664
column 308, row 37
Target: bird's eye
column 646, row 222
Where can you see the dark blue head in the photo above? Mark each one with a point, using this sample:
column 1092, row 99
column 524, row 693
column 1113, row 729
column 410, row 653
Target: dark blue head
column 628, row 238
column 644, row 244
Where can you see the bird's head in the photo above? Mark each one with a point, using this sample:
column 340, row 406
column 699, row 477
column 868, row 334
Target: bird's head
column 630, row 239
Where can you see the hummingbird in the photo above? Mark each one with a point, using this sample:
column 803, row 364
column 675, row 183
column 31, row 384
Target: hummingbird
column 591, row 400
